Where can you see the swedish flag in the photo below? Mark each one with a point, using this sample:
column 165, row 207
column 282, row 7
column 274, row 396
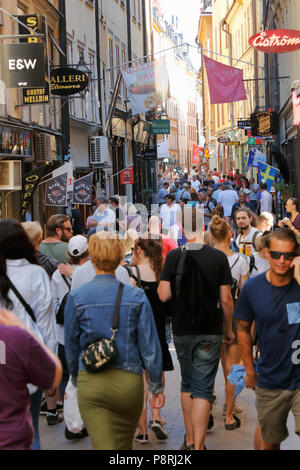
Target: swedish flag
column 267, row 174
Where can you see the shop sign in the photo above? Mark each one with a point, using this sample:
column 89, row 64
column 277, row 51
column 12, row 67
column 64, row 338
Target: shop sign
column 255, row 141
column 233, row 143
column 160, row 126
column 126, row 177
column 39, row 95
column 30, row 184
column 264, row 123
column 223, row 140
column 56, row 191
column 244, row 123
column 15, row 142
column 150, row 152
column 67, row 81
column 276, row 40
column 206, row 153
column 22, row 65
column 82, row 190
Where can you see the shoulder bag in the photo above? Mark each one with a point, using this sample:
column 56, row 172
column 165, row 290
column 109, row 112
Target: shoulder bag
column 100, row 354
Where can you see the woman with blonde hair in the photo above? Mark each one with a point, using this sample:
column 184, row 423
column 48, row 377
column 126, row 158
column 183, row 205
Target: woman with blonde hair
column 111, row 400
column 221, row 235
column 146, row 274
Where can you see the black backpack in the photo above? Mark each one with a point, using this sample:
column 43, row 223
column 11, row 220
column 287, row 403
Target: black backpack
column 60, row 318
column 195, row 299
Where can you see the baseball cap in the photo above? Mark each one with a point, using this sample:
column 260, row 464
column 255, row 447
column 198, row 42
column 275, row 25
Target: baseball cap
column 77, row 245
column 272, row 190
column 246, row 191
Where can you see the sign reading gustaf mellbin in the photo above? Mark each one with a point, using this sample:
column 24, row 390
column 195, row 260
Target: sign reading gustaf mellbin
column 36, row 95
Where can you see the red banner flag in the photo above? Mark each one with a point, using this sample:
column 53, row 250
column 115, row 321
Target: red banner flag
column 225, row 83
column 127, row 176
column 197, row 154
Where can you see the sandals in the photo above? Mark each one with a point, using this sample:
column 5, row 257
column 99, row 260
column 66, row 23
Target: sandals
column 231, row 427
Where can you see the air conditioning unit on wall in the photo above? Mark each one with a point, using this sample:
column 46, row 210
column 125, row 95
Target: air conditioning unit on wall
column 42, row 148
column 98, row 150
column 10, row 175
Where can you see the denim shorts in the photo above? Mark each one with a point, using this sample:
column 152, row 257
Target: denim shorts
column 199, row 357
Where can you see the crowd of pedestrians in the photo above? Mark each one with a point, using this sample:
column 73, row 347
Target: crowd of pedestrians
column 216, row 263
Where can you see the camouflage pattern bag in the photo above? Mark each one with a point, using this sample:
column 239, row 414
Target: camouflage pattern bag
column 100, row 354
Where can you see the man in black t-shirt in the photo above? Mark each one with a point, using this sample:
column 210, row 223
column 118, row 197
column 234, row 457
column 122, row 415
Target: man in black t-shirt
column 198, row 343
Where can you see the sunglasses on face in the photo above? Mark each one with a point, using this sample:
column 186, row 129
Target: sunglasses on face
column 288, row 256
column 66, row 228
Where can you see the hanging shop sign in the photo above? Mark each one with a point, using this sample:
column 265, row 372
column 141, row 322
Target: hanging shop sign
column 276, row 40
column 67, row 81
column 233, row 143
column 223, row 140
column 197, row 154
column 56, row 191
column 150, row 152
column 30, row 184
column 255, row 141
column 206, row 153
column 40, row 95
column 82, row 190
column 126, row 177
column 160, row 126
column 244, row 123
column 33, row 23
column 22, row 65
column 264, row 123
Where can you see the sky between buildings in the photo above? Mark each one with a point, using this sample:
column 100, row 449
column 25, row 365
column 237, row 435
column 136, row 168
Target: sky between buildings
column 188, row 12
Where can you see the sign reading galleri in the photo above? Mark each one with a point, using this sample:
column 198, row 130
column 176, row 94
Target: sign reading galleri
column 56, row 191
column 82, row 190
column 22, row 65
column 67, row 81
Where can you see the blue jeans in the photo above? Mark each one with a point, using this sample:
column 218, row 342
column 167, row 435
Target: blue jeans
column 35, row 408
column 199, row 357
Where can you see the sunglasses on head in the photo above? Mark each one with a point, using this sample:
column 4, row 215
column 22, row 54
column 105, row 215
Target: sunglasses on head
column 288, row 256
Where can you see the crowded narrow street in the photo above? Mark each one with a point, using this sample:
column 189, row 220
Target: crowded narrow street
column 52, row 438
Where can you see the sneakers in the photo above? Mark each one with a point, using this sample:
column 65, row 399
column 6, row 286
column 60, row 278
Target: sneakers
column 78, row 435
column 141, row 439
column 162, row 421
column 185, row 446
column 210, row 422
column 53, row 418
column 159, row 431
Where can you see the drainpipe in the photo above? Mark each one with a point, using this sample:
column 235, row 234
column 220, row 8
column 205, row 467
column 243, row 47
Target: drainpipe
column 225, row 28
column 98, row 55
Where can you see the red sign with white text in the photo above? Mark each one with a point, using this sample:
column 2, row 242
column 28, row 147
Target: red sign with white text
column 197, row 154
column 127, row 176
column 276, row 40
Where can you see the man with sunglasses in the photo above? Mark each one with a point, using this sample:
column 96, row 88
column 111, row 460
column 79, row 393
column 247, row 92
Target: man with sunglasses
column 59, row 232
column 272, row 300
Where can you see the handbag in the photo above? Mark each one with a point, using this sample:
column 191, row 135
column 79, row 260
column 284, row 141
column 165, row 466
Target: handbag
column 100, row 354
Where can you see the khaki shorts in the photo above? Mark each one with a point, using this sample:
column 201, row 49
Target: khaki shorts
column 273, row 407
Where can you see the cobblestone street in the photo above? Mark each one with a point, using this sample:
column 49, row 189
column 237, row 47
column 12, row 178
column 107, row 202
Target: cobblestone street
column 52, row 437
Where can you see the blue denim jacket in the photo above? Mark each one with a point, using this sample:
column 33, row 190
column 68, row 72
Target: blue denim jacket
column 89, row 316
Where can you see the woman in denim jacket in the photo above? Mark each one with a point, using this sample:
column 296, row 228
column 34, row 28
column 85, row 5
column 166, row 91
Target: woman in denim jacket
column 111, row 401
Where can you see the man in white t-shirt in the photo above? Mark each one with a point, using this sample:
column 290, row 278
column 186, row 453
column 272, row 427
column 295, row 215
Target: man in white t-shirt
column 265, row 199
column 105, row 217
column 247, row 238
column 227, row 198
column 168, row 213
column 196, row 183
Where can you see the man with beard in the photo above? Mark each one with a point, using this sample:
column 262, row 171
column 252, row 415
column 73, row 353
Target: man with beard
column 272, row 300
column 59, row 232
column 248, row 234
